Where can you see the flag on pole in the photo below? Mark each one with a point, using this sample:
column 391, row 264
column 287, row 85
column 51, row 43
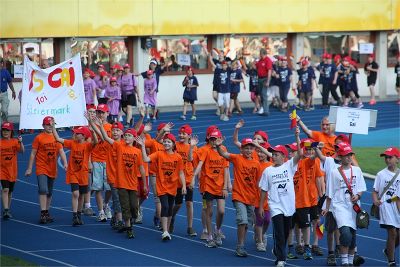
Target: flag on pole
column 320, row 227
column 293, row 116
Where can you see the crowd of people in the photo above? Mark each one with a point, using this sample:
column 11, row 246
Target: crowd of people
column 291, row 185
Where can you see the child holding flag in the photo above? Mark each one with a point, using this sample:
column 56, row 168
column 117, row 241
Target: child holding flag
column 9, row 147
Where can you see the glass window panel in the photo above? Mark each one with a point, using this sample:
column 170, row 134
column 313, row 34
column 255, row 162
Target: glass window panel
column 353, row 46
column 393, row 47
column 314, row 46
column 12, row 54
column 119, row 52
column 46, row 53
column 335, row 44
column 93, row 53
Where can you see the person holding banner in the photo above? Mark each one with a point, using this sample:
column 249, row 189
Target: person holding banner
column 386, row 184
column 78, row 168
column 9, row 147
column 5, row 81
column 45, row 151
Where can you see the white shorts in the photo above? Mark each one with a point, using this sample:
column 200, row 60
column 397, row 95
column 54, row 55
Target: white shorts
column 224, row 99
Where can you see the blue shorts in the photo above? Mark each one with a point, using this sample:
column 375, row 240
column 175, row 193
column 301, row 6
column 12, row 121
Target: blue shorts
column 99, row 177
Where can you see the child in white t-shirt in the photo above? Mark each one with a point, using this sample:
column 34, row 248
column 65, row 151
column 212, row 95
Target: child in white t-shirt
column 389, row 213
column 341, row 201
column 277, row 180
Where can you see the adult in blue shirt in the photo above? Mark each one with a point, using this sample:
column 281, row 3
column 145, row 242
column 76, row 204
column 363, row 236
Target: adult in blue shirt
column 328, row 71
column 5, row 81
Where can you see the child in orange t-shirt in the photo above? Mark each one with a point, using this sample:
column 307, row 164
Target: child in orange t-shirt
column 9, row 147
column 45, row 150
column 169, row 171
column 246, row 171
column 129, row 165
column 261, row 224
column 214, row 170
column 78, row 167
column 183, row 149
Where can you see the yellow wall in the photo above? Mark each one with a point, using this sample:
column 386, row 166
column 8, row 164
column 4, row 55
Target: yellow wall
column 73, row 18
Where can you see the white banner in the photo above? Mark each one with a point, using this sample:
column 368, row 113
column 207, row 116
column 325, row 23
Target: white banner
column 56, row 91
column 352, row 120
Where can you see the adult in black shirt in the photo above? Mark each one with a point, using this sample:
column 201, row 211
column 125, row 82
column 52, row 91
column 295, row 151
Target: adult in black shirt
column 371, row 70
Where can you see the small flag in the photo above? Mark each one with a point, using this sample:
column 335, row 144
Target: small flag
column 320, row 227
column 293, row 116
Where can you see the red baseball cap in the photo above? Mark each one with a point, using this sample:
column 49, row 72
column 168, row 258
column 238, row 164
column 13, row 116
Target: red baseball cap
column 223, row 62
column 348, row 59
column 263, row 134
column 102, row 107
column 186, row 129
column 371, row 55
column 337, row 58
column 161, row 126
column 304, row 63
column 215, row 134
column 211, row 129
column 292, row 146
column 247, row 141
column 279, row 148
column 90, row 106
column 82, row 130
column 47, row 120
column 113, row 79
column 141, row 129
column 87, row 70
column 116, row 66
column 103, row 73
column 149, row 72
column 344, row 138
column 170, row 136
column 328, row 56
column 131, row 131
column 117, row 125
column 7, row 125
column 344, row 149
column 127, row 66
column 391, row 151
column 191, row 69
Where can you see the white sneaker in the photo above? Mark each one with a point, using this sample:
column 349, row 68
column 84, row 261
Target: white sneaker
column 165, row 236
column 101, row 217
column 280, row 264
column 261, row 110
column 218, row 112
column 260, row 247
column 204, row 236
column 183, row 117
column 107, row 212
column 225, row 118
column 139, row 219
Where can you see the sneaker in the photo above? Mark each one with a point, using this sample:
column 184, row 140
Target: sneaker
column 307, row 253
column 317, row 251
column 113, row 221
column 358, row 260
column 261, row 111
column 360, row 105
column 291, row 253
column 119, row 225
column 331, row 260
column 392, row 263
column 75, row 220
column 101, row 217
column 222, row 234
column 6, row 215
column 88, row 211
column 211, row 243
column 165, row 236
column 43, row 218
column 191, row 232
column 130, row 234
column 193, row 118
column 49, row 219
column 312, row 107
column 80, row 218
column 139, row 219
column 204, row 236
column 241, row 252
column 299, row 250
column 372, row 102
column 218, row 112
column 280, row 264
column 183, row 117
column 225, row 118
column 107, row 211
column 260, row 247
column 218, row 239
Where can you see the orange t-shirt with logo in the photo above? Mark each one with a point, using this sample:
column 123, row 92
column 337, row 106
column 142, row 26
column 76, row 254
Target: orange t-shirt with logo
column 263, row 166
column 183, row 150
column 305, row 183
column 47, row 149
column 168, row 168
column 78, row 163
column 100, row 151
column 246, row 173
column 328, row 140
column 111, row 162
column 214, row 169
column 129, row 159
column 153, row 146
column 8, row 157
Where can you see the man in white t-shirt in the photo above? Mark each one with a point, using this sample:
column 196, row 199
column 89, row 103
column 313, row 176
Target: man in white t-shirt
column 277, row 180
column 345, row 187
column 389, row 213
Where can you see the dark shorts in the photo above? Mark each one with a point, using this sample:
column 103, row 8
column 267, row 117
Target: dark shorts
column 7, row 184
column 234, row 96
column 190, row 101
column 303, row 217
column 209, row 196
column 179, row 196
column 129, row 203
column 129, row 100
column 83, row 189
column 371, row 81
column 215, row 88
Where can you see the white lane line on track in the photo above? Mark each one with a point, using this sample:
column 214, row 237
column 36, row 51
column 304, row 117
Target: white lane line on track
column 66, row 249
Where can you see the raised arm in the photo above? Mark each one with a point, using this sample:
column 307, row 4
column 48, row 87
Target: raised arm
column 221, row 152
column 305, row 129
column 299, row 153
column 319, row 154
column 140, row 141
column 238, row 125
column 55, row 133
column 263, row 150
column 194, row 140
